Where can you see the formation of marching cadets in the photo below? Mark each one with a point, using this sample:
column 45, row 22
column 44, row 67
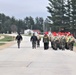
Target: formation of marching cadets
column 58, row 40
column 35, row 40
column 62, row 40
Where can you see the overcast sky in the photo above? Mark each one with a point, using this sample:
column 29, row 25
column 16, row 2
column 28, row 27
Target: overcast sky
column 22, row 8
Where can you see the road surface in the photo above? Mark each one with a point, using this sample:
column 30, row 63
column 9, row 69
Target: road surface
column 28, row 61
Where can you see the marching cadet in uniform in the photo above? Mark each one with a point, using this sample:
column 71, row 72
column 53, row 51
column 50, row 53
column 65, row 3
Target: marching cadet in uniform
column 38, row 40
column 53, row 38
column 46, row 41
column 33, row 39
column 62, row 41
column 19, row 38
column 71, row 41
column 67, row 39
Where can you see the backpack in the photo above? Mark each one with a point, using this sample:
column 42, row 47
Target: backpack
column 19, row 37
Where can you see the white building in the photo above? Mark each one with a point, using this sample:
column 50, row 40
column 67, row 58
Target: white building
column 28, row 32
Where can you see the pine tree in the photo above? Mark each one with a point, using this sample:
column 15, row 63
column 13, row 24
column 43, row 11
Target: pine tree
column 57, row 12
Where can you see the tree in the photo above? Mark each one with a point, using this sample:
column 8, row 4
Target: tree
column 13, row 28
column 6, row 26
column 73, row 13
column 31, row 21
column 57, row 12
column 20, row 26
column 39, row 21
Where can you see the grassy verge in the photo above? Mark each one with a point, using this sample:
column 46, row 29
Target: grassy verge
column 75, row 44
column 7, row 38
column 2, row 44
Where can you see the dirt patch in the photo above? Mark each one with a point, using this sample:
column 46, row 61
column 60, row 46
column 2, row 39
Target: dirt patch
column 7, row 45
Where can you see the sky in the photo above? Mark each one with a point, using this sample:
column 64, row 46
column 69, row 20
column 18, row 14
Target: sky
column 22, row 8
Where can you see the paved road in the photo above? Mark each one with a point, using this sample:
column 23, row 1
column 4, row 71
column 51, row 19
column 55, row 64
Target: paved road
column 28, row 61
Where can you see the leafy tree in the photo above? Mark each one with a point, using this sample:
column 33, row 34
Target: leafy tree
column 29, row 21
column 13, row 28
column 20, row 26
column 39, row 21
column 26, row 20
column 7, row 26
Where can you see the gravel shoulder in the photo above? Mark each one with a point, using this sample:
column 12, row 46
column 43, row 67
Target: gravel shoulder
column 8, row 44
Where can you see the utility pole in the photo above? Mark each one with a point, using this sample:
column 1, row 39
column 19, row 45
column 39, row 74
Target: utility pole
column 31, row 27
column 43, row 27
column 0, row 24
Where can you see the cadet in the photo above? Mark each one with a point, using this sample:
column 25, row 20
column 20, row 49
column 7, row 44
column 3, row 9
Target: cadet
column 19, row 38
column 46, row 41
column 33, row 39
column 71, row 42
column 38, row 40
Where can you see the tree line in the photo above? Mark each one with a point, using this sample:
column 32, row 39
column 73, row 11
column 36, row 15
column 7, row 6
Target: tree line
column 62, row 14
column 11, row 24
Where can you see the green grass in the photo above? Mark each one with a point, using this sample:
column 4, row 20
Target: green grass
column 7, row 38
column 75, row 44
column 2, row 44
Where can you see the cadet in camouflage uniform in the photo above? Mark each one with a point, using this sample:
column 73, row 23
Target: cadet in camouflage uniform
column 54, row 41
column 33, row 39
column 46, row 41
column 19, row 39
column 70, row 41
column 62, row 41
column 38, row 40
